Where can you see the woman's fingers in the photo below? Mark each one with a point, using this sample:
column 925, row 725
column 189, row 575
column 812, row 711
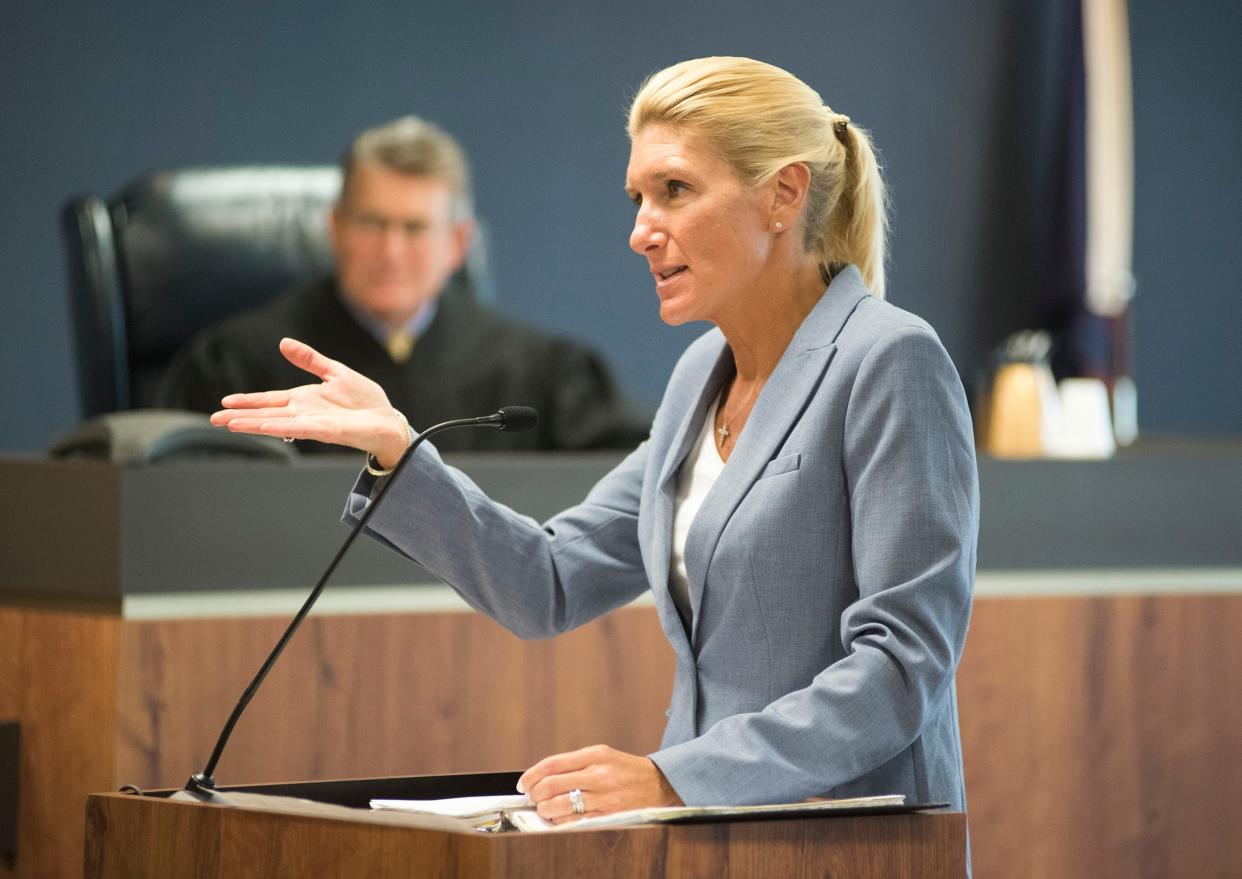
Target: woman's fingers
column 297, row 428
column 608, row 781
column 556, row 764
column 257, row 400
column 564, row 812
column 560, row 808
column 555, row 785
column 228, row 416
column 305, row 357
column 365, row 430
column 346, row 408
column 553, row 794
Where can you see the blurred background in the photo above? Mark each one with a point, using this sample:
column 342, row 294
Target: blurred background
column 964, row 99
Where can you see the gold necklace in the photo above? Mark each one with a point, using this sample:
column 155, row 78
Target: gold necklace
column 723, row 431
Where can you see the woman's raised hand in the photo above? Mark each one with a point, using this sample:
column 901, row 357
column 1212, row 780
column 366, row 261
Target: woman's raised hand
column 344, row 408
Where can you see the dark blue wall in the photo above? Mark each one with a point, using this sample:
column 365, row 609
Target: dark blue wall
column 91, row 96
column 1188, row 214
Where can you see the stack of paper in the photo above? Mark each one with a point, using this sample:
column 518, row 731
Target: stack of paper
column 679, row 814
column 517, row 812
column 485, row 813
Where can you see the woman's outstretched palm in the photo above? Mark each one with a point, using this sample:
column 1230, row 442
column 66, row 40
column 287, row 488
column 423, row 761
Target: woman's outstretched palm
column 344, row 408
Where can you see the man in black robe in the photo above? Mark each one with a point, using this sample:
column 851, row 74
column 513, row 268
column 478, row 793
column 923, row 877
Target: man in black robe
column 395, row 312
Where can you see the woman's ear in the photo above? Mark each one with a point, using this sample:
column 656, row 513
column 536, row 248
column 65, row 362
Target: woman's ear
column 789, row 194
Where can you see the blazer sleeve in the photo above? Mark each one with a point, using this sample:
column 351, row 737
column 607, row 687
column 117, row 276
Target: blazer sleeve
column 909, row 464
column 535, row 580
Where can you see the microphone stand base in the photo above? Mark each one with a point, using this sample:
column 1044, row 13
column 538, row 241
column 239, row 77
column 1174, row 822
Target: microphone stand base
column 201, row 789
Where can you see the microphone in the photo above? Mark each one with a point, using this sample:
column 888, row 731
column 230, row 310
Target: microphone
column 514, row 418
column 517, row 418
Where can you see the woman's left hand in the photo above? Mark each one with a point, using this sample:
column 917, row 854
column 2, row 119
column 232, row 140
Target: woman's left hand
column 343, row 407
column 610, row 781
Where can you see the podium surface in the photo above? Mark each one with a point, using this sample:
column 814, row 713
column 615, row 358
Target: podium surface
column 145, row 837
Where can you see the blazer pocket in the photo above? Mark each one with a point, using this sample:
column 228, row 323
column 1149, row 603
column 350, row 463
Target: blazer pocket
column 783, row 464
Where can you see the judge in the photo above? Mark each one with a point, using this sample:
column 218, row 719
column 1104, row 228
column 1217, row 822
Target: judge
column 395, row 309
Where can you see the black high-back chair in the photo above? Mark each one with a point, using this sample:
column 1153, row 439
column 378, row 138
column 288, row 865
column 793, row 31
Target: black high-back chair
column 175, row 251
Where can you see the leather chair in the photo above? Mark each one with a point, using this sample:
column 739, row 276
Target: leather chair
column 175, row 251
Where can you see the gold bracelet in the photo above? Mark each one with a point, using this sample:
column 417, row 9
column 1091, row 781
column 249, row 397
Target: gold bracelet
column 372, row 462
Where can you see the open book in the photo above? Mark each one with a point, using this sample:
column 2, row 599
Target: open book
column 518, row 812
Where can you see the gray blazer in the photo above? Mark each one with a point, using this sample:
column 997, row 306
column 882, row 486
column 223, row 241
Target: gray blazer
column 830, row 567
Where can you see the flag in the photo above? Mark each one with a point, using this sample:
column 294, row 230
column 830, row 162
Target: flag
column 1089, row 217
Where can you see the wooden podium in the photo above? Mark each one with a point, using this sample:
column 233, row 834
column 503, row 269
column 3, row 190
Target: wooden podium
column 152, row 837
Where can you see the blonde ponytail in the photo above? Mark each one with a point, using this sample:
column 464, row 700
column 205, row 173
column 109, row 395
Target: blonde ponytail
column 761, row 119
column 856, row 230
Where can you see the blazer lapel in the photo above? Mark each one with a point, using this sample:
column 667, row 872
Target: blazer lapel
column 666, row 490
column 781, row 403
column 692, row 419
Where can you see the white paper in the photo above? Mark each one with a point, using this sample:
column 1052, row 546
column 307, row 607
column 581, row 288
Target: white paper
column 666, row 814
column 458, row 807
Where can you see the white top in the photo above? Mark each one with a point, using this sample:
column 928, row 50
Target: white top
column 695, row 478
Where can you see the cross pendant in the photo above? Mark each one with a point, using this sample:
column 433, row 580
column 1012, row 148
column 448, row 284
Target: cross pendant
column 723, row 430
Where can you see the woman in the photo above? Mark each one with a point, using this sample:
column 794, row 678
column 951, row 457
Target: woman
column 805, row 510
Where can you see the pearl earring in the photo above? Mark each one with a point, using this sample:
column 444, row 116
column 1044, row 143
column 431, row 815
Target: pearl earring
column 779, row 225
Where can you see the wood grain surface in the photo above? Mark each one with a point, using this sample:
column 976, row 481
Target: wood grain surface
column 58, row 680
column 133, row 838
column 399, row 694
column 1100, row 733
column 1100, row 736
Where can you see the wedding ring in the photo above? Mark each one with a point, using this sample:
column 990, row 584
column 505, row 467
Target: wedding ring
column 575, row 801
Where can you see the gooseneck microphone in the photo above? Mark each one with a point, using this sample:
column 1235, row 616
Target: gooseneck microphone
column 508, row 418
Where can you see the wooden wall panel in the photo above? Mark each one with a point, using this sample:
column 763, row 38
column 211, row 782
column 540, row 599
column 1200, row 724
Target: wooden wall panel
column 10, row 693
column 1100, row 733
column 59, row 682
column 1100, row 736
column 384, row 695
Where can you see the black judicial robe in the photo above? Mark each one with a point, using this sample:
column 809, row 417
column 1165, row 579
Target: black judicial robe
column 469, row 361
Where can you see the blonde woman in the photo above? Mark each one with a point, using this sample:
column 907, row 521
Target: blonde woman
column 804, row 512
